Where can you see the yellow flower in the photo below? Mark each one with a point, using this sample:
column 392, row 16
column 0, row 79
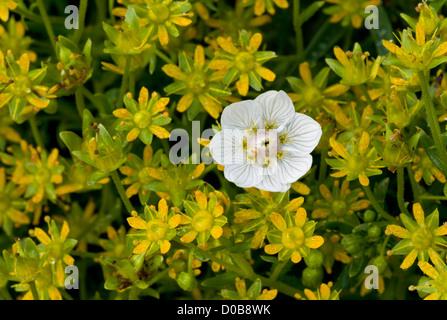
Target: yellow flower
column 21, row 88
column 322, row 293
column 204, row 218
column 359, row 162
column 252, row 293
column 11, row 204
column 425, row 169
column 159, row 228
column 14, row 39
column 46, row 290
column 57, row 247
column 416, row 53
column 420, row 238
column 179, row 263
column 115, row 244
column 349, row 11
column 243, row 62
column 5, row 6
column 339, row 203
column 354, row 67
column 293, row 239
column 436, row 287
column 260, row 6
column 198, row 85
column 312, row 92
column 144, row 119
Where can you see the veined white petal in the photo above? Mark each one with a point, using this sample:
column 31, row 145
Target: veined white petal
column 291, row 167
column 243, row 175
column 226, row 147
column 270, row 183
column 241, row 115
column 277, row 108
column 304, row 134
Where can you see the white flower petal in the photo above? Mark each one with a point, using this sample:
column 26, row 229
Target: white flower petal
column 243, row 175
column 241, row 115
column 226, row 147
column 304, row 133
column 277, row 108
column 270, row 183
column 292, row 167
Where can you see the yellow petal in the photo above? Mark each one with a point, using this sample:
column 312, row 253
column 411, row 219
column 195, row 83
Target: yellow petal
column 364, row 181
column 325, row 292
column 341, row 56
column 278, row 221
column 65, row 231
column 210, row 105
column 220, row 64
column 163, row 36
column 199, row 57
column 273, row 248
column 314, row 242
column 283, row 4
column 189, row 237
column 266, row 74
column 197, row 172
column 409, row 259
column 143, row 97
column 42, row 236
column 122, row 114
column 305, row 73
column 137, row 222
column 310, row 295
column 440, row 51
column 174, row 71
column 300, row 217
column 160, row 132
column 163, row 207
column 201, row 200
column 165, row 245
column 418, row 213
column 141, row 247
column 338, row 148
column 185, row 102
column 296, row 256
column 364, row 143
column 227, row 45
column 133, row 134
column 397, row 231
column 68, row 260
column 325, row 192
column 181, row 21
column 420, row 35
column 54, row 293
column 441, row 231
column 242, row 84
column 428, row 269
column 174, row 221
column 216, row 232
column 255, row 42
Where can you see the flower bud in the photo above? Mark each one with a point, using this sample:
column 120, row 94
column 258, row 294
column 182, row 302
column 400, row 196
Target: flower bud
column 186, row 281
column 428, row 18
column 374, row 231
column 380, row 263
column 312, row 278
column 314, row 259
column 352, row 243
column 369, row 216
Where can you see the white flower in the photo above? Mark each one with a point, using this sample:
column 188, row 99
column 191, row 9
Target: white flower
column 264, row 143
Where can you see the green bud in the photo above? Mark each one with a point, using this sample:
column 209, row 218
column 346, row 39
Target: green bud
column 352, row 243
column 312, row 278
column 186, row 281
column 380, row 263
column 374, row 231
column 369, row 216
column 314, row 259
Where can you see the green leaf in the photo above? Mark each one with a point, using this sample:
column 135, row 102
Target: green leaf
column 356, row 266
column 340, row 226
column 222, row 280
column 380, row 191
column 241, row 247
column 270, row 259
column 433, row 153
column 71, row 140
column 309, row 12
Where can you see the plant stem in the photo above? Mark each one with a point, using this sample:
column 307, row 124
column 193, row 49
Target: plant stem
column 125, row 82
column 376, row 205
column 80, row 103
column 400, row 191
column 47, row 23
column 367, row 96
column 163, row 57
column 82, row 12
column 279, row 267
column 133, row 293
column 298, row 30
column 323, row 165
column 122, row 193
column 33, row 288
column 431, row 117
column 414, row 185
column 35, row 131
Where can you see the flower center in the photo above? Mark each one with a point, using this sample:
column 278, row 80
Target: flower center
column 142, row 119
column 422, row 239
column 21, row 86
column 263, row 145
column 143, row 176
column 55, row 250
column 312, row 96
column 5, row 202
column 339, row 208
column 42, row 176
column 159, row 12
column 197, row 81
column 156, row 230
column 202, row 221
column 357, row 164
column 293, row 238
column 245, row 61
